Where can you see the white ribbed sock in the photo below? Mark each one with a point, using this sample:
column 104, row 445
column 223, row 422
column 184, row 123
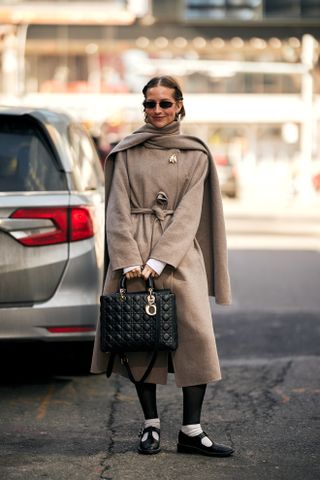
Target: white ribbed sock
column 193, row 431
column 151, row 422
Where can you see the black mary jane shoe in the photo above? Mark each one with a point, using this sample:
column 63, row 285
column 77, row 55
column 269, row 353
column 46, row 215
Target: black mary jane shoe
column 150, row 446
column 188, row 444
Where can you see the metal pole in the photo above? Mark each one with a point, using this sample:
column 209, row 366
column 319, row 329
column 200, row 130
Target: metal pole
column 10, row 64
column 21, row 48
column 306, row 142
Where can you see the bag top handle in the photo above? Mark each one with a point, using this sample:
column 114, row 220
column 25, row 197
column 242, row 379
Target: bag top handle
column 123, row 283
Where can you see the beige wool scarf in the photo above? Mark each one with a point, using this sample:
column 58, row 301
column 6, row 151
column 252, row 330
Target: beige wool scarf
column 211, row 233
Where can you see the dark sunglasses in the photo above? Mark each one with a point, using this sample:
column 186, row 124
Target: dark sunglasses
column 162, row 104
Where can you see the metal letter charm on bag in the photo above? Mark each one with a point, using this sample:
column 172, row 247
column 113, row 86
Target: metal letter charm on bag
column 137, row 322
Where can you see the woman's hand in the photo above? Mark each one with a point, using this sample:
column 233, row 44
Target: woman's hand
column 148, row 272
column 134, row 273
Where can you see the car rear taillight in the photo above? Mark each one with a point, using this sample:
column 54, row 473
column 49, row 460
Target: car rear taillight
column 81, row 224
column 68, row 224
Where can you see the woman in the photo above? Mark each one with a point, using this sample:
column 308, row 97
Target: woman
column 164, row 219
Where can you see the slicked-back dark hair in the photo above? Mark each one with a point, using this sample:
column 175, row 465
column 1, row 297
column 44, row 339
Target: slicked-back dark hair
column 169, row 82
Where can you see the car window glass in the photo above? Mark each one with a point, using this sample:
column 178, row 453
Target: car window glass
column 86, row 163
column 26, row 161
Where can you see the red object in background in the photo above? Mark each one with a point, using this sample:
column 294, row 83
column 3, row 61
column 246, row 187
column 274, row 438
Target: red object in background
column 221, row 159
column 316, row 182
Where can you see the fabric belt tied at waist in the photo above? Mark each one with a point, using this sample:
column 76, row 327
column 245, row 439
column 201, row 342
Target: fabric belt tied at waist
column 156, row 210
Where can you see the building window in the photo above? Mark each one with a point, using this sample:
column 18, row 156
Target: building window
column 310, row 8
column 223, row 9
column 250, row 9
column 292, row 8
column 283, row 8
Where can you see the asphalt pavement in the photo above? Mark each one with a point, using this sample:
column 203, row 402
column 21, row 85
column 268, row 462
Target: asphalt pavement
column 58, row 422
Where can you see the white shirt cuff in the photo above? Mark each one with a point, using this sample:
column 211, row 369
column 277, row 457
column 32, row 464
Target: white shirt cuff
column 128, row 269
column 156, row 265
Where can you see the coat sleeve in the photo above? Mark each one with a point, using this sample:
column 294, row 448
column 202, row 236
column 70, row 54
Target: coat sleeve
column 122, row 247
column 179, row 236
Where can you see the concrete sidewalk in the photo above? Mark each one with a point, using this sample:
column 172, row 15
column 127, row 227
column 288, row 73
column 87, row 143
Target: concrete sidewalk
column 264, row 408
column 264, row 204
column 263, row 222
column 85, row 427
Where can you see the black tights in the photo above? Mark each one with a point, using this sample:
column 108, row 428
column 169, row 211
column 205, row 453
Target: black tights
column 192, row 401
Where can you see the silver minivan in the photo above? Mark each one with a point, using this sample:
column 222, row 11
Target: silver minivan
column 51, row 227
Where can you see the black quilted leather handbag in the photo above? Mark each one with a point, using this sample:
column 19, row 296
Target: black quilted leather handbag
column 138, row 322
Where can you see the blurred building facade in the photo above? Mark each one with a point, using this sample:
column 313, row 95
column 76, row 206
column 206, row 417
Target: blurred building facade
column 249, row 68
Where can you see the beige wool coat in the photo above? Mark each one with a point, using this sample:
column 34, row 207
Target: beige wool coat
column 163, row 202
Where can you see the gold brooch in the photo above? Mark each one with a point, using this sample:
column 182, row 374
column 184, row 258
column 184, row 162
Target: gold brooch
column 173, row 158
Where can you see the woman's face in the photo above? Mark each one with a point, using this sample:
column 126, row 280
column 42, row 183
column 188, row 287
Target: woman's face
column 156, row 114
